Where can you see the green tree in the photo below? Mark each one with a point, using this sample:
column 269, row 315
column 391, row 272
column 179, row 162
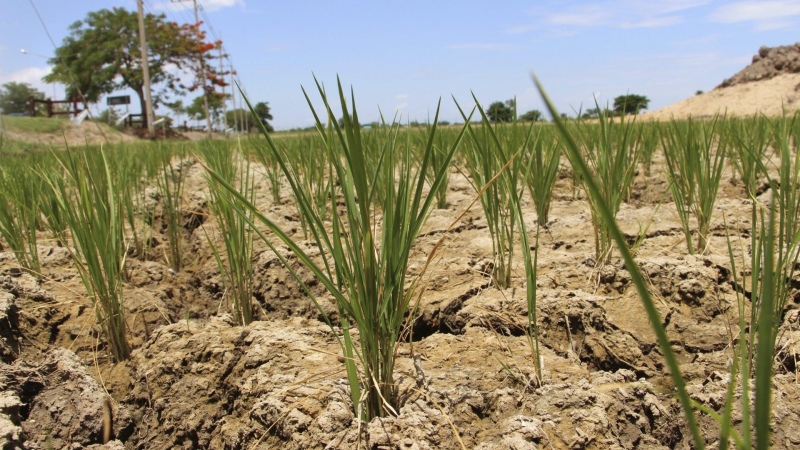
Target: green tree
column 630, row 104
column 197, row 110
column 533, row 115
column 263, row 112
column 243, row 120
column 15, row 97
column 101, row 54
column 176, row 107
column 501, row 111
column 108, row 115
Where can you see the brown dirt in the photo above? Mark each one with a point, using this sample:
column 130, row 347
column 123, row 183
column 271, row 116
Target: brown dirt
column 88, row 132
column 197, row 381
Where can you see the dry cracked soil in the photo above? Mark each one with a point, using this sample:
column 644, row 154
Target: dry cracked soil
column 465, row 379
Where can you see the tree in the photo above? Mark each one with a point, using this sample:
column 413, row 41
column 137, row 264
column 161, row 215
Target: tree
column 591, row 113
column 262, row 111
column 197, row 110
column 243, row 120
column 501, row 111
column 102, row 54
column 533, row 115
column 630, row 104
column 15, row 97
column 108, row 115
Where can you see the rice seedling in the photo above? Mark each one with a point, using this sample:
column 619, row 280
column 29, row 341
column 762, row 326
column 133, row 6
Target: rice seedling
column 497, row 173
column 611, row 150
column 605, row 212
column 19, row 213
column 695, row 154
column 786, row 194
column 648, row 144
column 438, row 158
column 363, row 266
column 88, row 202
column 311, row 166
column 235, row 229
column 170, row 187
column 542, row 172
column 128, row 169
column 750, row 140
column 774, row 254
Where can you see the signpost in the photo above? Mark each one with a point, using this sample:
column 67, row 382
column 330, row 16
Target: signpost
column 118, row 100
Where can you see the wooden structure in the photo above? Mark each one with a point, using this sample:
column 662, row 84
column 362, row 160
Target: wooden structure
column 51, row 111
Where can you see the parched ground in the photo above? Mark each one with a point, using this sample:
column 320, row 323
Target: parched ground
column 465, row 381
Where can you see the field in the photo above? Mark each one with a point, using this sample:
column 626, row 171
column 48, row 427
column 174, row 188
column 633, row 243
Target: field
column 302, row 293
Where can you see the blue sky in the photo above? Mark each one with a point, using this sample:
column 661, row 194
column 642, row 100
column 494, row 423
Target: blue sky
column 403, row 56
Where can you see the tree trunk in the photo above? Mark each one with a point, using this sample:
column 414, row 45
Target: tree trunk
column 140, row 93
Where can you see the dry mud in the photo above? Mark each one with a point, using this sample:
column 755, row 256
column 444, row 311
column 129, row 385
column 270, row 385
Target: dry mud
column 465, row 380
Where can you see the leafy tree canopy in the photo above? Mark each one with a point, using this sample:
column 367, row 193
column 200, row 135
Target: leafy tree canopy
column 501, row 111
column 630, row 104
column 243, row 120
column 533, row 115
column 197, row 110
column 14, row 97
column 102, row 54
column 263, row 112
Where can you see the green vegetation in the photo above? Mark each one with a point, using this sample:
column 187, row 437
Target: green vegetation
column 611, row 152
column 695, row 154
column 19, row 213
column 170, row 183
column 87, row 200
column 101, row 55
column 499, row 173
column 34, row 124
column 367, row 280
column 630, row 104
column 235, row 230
column 15, row 97
column 502, row 111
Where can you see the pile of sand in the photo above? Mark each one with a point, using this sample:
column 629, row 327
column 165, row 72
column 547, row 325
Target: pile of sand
column 770, row 86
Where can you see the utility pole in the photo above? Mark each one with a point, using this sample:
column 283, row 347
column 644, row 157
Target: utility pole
column 224, row 103
column 148, row 100
column 202, row 69
column 233, row 100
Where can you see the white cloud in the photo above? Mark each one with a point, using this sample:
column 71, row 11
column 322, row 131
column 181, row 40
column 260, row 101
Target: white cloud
column 521, row 29
column 401, row 96
column 756, row 11
column 614, row 14
column 767, row 15
column 33, row 76
column 769, row 25
column 485, row 47
column 588, row 16
column 401, row 107
column 30, row 75
column 207, row 5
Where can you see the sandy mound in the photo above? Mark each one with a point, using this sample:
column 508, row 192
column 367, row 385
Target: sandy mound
column 767, row 86
column 87, row 133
